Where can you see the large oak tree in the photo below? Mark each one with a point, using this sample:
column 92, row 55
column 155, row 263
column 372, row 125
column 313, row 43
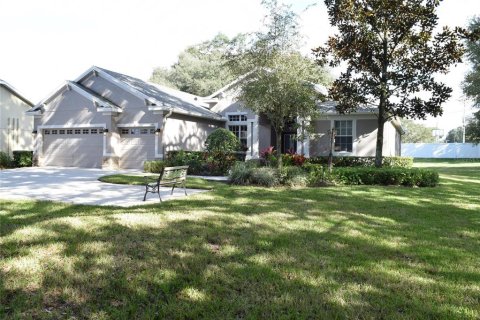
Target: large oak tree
column 392, row 55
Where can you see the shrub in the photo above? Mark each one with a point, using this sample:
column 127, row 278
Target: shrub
column 264, row 176
column 293, row 159
column 386, row 176
column 293, row 176
column 219, row 163
column 22, row 158
column 5, row 160
column 268, row 156
column 222, row 140
column 240, row 174
column 203, row 163
column 193, row 159
column 388, row 162
column 154, row 166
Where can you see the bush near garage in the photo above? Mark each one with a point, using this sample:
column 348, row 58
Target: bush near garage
column 22, row 158
column 5, row 160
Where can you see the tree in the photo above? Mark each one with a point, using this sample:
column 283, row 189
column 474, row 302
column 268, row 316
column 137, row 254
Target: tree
column 392, row 56
column 455, row 135
column 471, row 84
column 200, row 69
column 278, row 81
column 416, row 132
column 472, row 129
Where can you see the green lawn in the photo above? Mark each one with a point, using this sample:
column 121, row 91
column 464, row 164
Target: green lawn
column 357, row 252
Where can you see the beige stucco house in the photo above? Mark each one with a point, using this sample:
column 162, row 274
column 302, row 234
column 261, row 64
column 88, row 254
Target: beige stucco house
column 108, row 119
column 15, row 126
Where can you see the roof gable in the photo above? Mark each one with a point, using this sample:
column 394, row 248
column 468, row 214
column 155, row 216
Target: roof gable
column 14, row 91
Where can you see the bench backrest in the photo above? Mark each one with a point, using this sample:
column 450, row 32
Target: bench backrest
column 171, row 174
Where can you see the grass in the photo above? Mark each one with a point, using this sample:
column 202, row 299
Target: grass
column 357, row 252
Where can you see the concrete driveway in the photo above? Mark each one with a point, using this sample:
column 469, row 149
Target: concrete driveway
column 77, row 186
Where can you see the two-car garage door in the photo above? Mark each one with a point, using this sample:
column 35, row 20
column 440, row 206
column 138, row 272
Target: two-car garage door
column 73, row 147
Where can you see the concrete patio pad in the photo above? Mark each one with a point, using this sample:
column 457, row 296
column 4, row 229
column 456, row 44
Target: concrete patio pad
column 77, row 186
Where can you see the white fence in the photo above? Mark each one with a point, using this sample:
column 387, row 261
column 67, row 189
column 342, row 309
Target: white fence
column 441, row 150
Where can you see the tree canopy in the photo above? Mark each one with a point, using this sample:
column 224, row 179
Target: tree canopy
column 200, row 69
column 279, row 82
column 472, row 128
column 392, row 55
column 455, row 135
column 471, row 85
column 416, row 132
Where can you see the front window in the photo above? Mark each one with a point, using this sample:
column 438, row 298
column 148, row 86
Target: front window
column 344, row 136
column 240, row 131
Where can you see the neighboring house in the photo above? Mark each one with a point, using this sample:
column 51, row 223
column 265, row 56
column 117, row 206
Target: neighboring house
column 355, row 134
column 15, row 126
column 108, row 119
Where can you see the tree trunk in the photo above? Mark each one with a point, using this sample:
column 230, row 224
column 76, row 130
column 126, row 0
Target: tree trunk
column 379, row 148
column 382, row 104
column 278, row 146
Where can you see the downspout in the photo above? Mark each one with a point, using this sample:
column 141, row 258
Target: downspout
column 164, row 121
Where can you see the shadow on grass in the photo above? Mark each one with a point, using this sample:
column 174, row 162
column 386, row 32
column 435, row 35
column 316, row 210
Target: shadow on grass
column 241, row 252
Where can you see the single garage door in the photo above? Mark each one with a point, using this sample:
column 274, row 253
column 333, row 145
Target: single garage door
column 73, row 147
column 136, row 146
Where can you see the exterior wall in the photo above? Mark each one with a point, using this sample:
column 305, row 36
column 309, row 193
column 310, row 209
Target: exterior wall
column 187, row 133
column 15, row 126
column 265, row 136
column 364, row 136
column 320, row 140
column 258, row 134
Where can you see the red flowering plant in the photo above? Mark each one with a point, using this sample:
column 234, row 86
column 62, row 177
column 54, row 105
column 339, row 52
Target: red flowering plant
column 293, row 159
column 268, row 155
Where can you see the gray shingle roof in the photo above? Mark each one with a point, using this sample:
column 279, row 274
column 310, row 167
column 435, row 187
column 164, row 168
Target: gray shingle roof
column 176, row 100
column 329, row 107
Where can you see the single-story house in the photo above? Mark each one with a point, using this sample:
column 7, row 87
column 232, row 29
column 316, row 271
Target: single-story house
column 355, row 132
column 108, row 119
column 15, row 126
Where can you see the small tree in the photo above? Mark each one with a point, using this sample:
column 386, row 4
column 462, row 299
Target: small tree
column 416, row 132
column 472, row 129
column 222, row 140
column 280, row 81
column 392, row 57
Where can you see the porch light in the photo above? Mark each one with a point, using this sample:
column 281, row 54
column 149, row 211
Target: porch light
column 157, row 131
column 105, row 131
column 34, row 132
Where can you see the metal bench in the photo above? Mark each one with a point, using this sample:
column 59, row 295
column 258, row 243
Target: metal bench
column 170, row 176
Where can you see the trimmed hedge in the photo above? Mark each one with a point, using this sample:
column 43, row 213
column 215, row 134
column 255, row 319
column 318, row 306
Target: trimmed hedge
column 22, row 158
column 389, row 162
column 385, row 176
column 315, row 175
column 154, row 166
column 204, row 163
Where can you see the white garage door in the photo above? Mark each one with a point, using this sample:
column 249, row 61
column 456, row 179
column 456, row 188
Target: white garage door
column 73, row 147
column 136, row 146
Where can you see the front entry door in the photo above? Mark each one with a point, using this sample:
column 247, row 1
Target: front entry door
column 289, row 142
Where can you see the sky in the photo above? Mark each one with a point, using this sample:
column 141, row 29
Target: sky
column 49, row 41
